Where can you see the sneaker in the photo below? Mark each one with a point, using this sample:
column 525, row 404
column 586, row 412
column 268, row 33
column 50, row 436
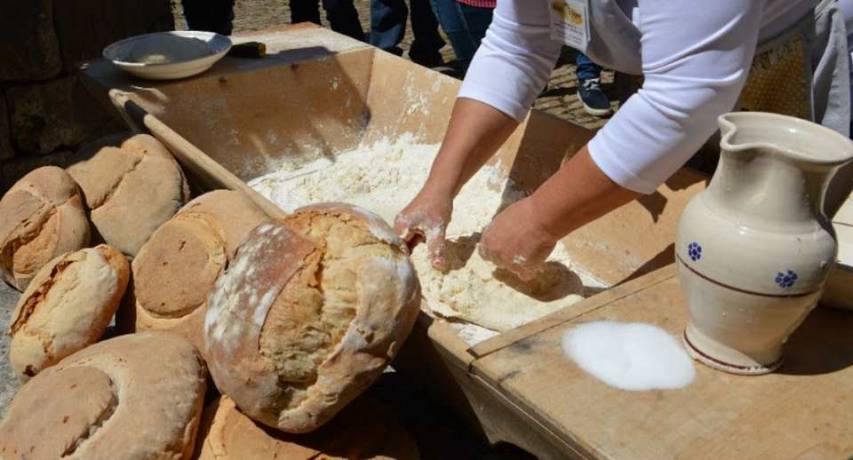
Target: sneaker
column 595, row 102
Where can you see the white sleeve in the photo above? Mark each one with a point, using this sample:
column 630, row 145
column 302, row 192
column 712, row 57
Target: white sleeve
column 696, row 58
column 515, row 58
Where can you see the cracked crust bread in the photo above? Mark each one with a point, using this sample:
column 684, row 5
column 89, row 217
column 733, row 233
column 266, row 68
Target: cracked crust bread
column 41, row 217
column 131, row 190
column 136, row 396
column 66, row 307
column 309, row 314
column 176, row 269
column 365, row 430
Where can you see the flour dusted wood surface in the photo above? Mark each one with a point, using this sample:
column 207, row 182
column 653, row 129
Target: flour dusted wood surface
column 804, row 409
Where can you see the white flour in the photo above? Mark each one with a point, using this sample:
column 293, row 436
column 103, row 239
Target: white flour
column 629, row 356
column 383, row 178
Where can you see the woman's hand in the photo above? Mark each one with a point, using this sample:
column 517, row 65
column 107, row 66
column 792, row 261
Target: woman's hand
column 521, row 237
column 426, row 218
column 517, row 241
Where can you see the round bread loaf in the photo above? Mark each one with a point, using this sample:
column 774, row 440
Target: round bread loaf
column 41, row 217
column 66, row 307
column 364, row 430
column 131, row 190
column 309, row 314
column 136, row 396
column 176, row 269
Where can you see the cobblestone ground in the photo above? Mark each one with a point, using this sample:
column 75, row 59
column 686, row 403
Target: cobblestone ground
column 560, row 98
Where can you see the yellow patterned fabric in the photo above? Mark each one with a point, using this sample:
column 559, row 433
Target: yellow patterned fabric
column 780, row 80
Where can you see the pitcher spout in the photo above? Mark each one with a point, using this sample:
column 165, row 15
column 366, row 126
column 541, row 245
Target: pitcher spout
column 792, row 138
column 775, row 167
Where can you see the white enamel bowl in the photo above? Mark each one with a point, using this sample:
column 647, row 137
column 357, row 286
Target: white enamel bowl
column 168, row 55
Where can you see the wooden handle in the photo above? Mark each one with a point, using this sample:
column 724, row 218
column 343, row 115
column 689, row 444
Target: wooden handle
column 190, row 156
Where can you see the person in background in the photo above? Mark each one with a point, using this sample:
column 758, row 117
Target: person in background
column 209, row 15
column 478, row 17
column 342, row 15
column 465, row 23
column 450, row 18
column 388, row 26
column 594, row 101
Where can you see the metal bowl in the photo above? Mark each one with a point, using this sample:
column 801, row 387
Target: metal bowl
column 168, row 55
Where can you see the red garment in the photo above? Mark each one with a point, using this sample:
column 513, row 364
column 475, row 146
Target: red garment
column 479, row 3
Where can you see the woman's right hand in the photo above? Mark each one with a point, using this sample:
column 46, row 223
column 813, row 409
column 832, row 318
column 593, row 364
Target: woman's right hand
column 426, row 218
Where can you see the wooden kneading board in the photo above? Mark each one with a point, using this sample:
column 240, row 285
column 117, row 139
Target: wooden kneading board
column 518, row 387
column 804, row 410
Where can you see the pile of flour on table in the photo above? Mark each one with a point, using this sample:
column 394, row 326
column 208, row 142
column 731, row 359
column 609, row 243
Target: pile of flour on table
column 383, row 178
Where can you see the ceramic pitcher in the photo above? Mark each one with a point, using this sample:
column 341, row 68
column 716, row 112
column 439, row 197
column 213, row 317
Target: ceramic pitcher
column 755, row 248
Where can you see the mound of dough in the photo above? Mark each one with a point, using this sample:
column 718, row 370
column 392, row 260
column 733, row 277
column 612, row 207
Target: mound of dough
column 475, row 291
column 364, row 430
column 41, row 217
column 136, row 396
column 131, row 190
column 176, row 269
column 309, row 314
column 66, row 307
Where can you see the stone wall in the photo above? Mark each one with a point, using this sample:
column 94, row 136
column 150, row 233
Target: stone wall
column 45, row 112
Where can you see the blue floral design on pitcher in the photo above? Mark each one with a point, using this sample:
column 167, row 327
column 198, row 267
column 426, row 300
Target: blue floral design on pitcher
column 786, row 280
column 694, row 250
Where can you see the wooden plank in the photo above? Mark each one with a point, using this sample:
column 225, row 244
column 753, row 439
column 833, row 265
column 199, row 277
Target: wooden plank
column 502, row 420
column 571, row 312
column 806, row 406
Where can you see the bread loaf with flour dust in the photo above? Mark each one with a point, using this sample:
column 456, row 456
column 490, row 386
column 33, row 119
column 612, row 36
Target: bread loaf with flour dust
column 309, row 314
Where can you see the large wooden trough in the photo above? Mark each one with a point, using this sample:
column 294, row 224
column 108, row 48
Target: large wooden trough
column 321, row 92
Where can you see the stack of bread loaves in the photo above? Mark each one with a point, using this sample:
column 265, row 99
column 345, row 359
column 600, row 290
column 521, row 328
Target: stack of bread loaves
column 295, row 318
column 132, row 397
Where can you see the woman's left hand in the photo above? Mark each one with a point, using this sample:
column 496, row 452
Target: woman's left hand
column 517, row 241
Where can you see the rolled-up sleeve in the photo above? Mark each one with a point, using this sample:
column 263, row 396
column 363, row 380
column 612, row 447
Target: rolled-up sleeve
column 515, row 59
column 695, row 62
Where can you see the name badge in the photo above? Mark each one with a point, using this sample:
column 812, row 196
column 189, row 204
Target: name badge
column 570, row 22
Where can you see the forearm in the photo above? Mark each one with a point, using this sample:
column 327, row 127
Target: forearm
column 475, row 132
column 578, row 193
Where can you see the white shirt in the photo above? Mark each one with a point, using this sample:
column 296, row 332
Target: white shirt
column 695, row 58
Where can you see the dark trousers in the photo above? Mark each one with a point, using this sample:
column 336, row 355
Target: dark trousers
column 465, row 27
column 388, row 26
column 586, row 68
column 478, row 20
column 209, row 15
column 342, row 15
